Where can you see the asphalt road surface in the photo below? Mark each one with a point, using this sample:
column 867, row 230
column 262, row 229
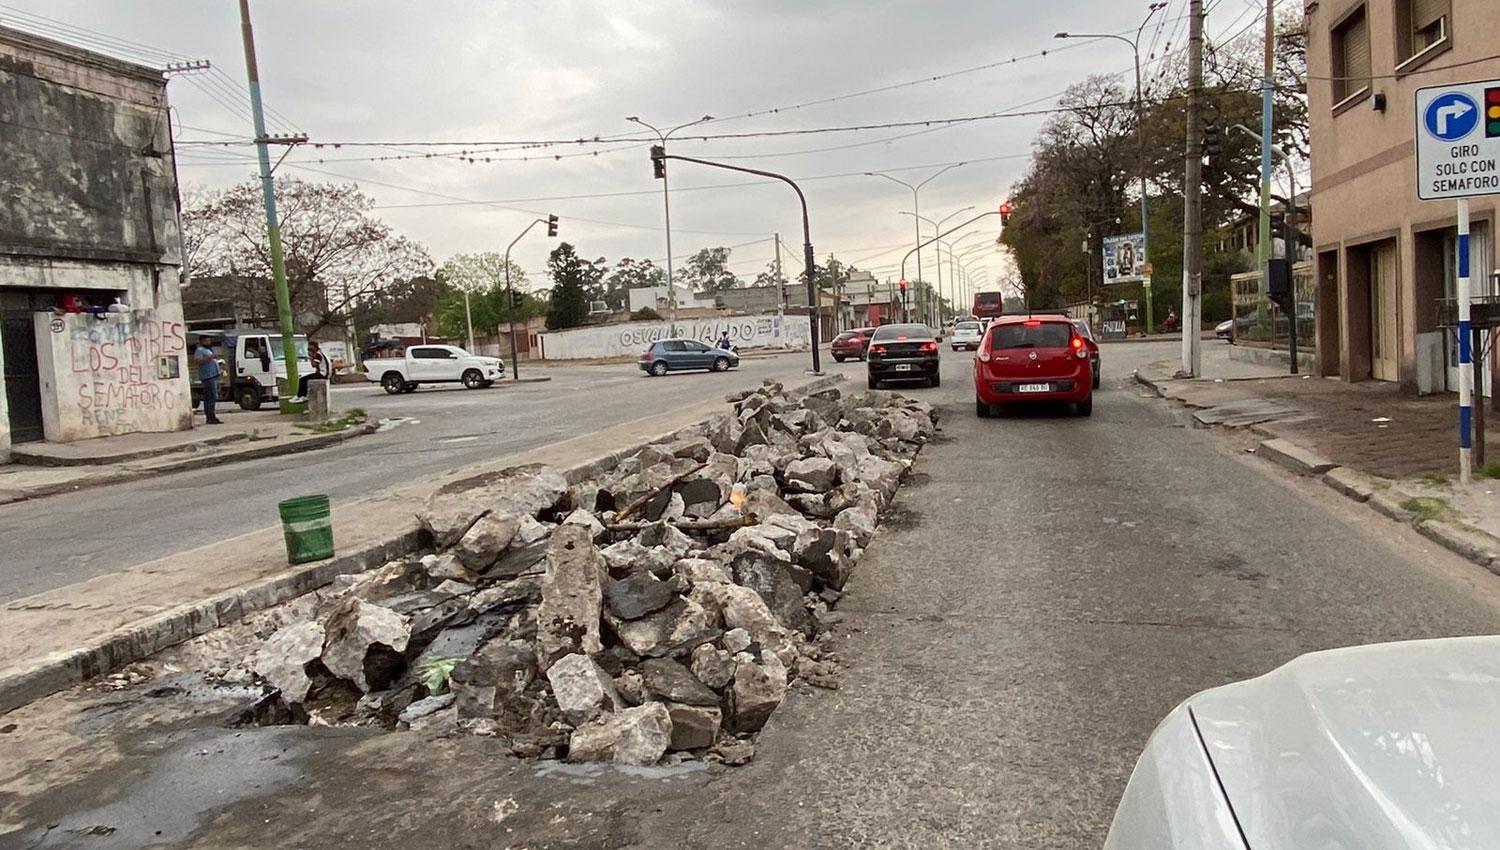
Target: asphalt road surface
column 1046, row 588
column 60, row 540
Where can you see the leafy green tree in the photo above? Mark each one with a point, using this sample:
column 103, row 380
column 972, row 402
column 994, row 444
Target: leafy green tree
column 482, row 276
column 707, row 272
column 771, row 277
column 573, row 279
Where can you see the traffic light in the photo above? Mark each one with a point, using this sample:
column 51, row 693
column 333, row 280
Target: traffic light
column 903, row 287
column 1213, row 142
column 517, row 299
column 659, row 161
column 1005, row 210
column 551, row 225
column 1491, row 113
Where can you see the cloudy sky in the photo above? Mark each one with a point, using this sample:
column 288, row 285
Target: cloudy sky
column 476, row 72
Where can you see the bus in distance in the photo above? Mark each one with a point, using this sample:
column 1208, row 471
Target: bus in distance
column 988, row 305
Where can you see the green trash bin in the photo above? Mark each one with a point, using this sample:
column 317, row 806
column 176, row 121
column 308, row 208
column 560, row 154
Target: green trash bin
column 308, row 527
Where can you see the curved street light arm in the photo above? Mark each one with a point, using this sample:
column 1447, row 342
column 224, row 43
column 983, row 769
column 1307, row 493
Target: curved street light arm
column 941, row 235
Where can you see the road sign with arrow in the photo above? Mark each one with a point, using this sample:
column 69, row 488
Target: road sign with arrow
column 1458, row 140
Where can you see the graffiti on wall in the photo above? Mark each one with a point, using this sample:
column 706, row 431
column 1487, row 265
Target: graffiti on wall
column 765, row 331
column 123, row 371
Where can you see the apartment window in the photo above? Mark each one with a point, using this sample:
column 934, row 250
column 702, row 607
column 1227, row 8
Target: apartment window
column 1421, row 30
column 1351, row 59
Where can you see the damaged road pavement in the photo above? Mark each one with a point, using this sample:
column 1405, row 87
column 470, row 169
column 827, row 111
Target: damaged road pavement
column 657, row 614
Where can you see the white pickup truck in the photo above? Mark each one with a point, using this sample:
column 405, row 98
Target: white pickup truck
column 434, row 364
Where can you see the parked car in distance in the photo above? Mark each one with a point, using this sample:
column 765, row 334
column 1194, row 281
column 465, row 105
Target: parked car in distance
column 1038, row 358
column 1381, row 746
column 675, row 355
column 1082, row 326
column 966, row 335
column 433, row 364
column 252, row 361
column 851, row 344
column 1225, row 329
column 906, row 352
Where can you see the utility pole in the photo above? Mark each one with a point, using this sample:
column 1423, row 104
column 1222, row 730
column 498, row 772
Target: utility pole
column 833, row 276
column 1267, row 99
column 781, row 291
column 1192, row 219
column 273, row 228
column 666, row 205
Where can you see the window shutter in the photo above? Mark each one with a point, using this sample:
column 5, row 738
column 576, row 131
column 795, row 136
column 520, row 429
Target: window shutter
column 1425, row 13
column 1356, row 38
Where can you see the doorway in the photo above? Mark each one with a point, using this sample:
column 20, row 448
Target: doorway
column 23, row 383
column 1385, row 343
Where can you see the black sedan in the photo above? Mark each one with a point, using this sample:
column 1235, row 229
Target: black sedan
column 903, row 353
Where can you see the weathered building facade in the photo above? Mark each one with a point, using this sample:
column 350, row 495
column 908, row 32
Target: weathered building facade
column 1384, row 259
column 91, row 329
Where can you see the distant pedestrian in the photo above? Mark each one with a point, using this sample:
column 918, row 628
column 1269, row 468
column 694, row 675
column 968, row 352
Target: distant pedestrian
column 208, row 376
column 724, row 342
column 322, row 368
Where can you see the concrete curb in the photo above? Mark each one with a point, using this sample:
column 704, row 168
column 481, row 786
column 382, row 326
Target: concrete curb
column 1150, row 383
column 1477, row 546
column 187, row 464
column 145, row 638
column 1294, row 457
column 25, row 458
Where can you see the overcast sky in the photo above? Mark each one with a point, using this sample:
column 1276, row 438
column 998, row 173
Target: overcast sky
column 461, row 70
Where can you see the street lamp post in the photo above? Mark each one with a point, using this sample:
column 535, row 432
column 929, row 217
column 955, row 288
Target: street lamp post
column 1003, row 212
column 936, row 226
column 660, row 155
column 1135, row 48
column 666, row 204
column 510, row 295
column 915, row 205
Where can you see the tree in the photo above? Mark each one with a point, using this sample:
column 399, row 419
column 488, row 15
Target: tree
column 771, row 277
column 630, row 274
column 707, row 272
column 338, row 256
column 483, row 277
column 572, row 279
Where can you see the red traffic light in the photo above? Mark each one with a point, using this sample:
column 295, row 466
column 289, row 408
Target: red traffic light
column 903, row 286
column 1005, row 210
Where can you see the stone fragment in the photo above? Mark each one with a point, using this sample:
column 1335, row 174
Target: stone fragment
column 582, row 690
column 693, row 448
column 282, row 660
column 631, row 686
column 446, row 566
column 724, row 433
column 531, row 531
column 734, row 752
column 520, row 491
column 526, row 589
column 672, row 682
column 736, row 640
column 496, row 677
column 424, row 707
column 701, row 497
column 766, row 503
column 587, row 520
column 770, row 539
column 393, row 579
column 637, row 595
column 568, row 619
column 828, row 553
column 811, row 475
column 859, row 521
column 484, row 542
column 363, row 643
column 677, row 628
column 667, row 537
column 884, row 476
column 757, row 690
column 713, row 666
column 628, row 556
column 743, row 608
column 776, row 583
column 636, row 736
column 698, row 570
column 694, row 727
column 675, row 508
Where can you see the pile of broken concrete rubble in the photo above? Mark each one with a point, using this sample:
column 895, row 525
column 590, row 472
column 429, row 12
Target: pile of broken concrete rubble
column 663, row 607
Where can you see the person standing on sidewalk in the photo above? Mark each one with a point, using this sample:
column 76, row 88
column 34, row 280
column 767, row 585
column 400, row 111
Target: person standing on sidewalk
column 208, row 376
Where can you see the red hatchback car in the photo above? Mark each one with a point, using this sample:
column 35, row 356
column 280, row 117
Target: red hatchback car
column 1026, row 359
column 851, row 344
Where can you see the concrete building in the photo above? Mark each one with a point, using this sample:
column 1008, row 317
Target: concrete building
column 658, row 298
column 91, row 330
column 1383, row 259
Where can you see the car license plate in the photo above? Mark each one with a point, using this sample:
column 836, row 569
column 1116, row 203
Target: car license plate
column 904, row 367
column 1033, row 388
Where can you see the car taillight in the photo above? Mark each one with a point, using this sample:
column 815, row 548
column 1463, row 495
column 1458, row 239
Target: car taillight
column 648, row 355
column 929, row 346
column 984, row 354
column 1078, row 342
column 877, row 349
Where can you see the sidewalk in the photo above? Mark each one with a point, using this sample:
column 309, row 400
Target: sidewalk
column 1366, row 440
column 73, row 633
column 45, row 469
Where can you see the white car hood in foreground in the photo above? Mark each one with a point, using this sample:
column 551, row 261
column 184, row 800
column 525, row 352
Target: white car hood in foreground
column 1383, row 747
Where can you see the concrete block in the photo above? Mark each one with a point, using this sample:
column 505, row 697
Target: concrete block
column 1355, row 485
column 1388, row 503
column 1468, row 543
column 1294, row 457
